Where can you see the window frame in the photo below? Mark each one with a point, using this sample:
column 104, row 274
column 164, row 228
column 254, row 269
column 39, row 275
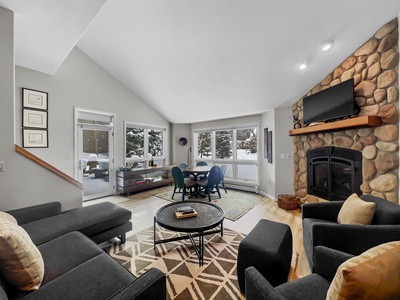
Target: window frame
column 234, row 161
column 146, row 157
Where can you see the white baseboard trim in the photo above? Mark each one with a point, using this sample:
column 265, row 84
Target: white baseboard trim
column 247, row 188
column 267, row 195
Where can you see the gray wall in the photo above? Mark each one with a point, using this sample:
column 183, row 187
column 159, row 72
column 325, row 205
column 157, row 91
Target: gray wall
column 23, row 183
column 179, row 152
column 83, row 83
column 277, row 178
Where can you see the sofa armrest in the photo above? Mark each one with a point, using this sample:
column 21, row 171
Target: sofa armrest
column 258, row 288
column 36, row 212
column 353, row 239
column 328, row 260
column 324, row 210
column 151, row 285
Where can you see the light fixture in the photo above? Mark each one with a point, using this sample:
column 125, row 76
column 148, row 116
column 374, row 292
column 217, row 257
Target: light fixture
column 302, row 66
column 326, row 46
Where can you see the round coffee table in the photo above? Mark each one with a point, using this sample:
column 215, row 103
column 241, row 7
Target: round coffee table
column 208, row 217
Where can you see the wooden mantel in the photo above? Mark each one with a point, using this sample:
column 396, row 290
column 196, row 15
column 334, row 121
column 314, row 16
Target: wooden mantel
column 363, row 121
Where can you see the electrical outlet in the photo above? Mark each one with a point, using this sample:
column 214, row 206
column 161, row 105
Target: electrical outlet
column 282, row 156
column 287, row 156
column 1, row 166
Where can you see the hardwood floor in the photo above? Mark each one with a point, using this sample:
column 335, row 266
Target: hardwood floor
column 144, row 206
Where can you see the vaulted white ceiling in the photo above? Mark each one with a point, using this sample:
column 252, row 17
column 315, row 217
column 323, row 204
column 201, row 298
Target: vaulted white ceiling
column 195, row 61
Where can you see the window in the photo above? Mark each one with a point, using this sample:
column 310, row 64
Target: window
column 237, row 148
column 246, row 143
column 144, row 143
column 204, row 145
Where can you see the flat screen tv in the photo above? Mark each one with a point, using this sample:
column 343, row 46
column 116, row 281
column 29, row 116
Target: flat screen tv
column 336, row 102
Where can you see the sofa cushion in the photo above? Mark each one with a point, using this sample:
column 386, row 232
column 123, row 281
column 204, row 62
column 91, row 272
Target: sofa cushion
column 98, row 278
column 372, row 275
column 89, row 220
column 21, row 262
column 66, row 253
column 356, row 211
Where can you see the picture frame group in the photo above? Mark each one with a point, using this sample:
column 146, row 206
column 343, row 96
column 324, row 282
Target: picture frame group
column 34, row 119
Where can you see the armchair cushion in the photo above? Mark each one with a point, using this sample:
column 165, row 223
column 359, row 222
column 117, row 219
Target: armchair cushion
column 356, row 211
column 372, row 275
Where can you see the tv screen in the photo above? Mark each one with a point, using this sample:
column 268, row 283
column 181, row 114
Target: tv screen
column 333, row 103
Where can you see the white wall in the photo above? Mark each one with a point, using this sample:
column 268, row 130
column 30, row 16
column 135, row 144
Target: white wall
column 23, row 183
column 81, row 82
column 179, row 152
column 284, row 168
column 267, row 182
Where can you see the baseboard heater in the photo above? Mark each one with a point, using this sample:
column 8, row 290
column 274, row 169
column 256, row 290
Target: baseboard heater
column 247, row 188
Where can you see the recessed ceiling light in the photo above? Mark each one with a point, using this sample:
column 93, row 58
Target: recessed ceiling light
column 326, row 46
column 302, row 66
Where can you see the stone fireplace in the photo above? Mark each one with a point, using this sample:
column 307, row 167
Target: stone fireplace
column 334, row 173
column 374, row 67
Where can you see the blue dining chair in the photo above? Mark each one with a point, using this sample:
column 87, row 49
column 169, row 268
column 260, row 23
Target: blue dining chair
column 181, row 185
column 211, row 182
column 201, row 163
column 183, row 167
column 222, row 170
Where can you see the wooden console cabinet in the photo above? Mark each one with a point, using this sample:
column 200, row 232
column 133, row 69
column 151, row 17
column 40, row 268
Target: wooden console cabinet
column 143, row 179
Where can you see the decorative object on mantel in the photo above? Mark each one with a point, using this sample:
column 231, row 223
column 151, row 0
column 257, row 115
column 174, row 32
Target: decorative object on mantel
column 34, row 119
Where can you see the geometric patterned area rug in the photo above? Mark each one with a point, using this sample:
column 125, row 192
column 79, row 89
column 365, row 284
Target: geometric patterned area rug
column 216, row 279
column 234, row 203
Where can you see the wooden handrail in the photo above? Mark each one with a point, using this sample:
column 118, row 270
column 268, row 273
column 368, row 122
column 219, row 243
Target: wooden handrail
column 47, row 166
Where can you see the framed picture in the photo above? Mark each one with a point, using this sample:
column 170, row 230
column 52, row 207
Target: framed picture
column 34, row 138
column 266, row 143
column 34, row 118
column 270, row 147
column 34, row 99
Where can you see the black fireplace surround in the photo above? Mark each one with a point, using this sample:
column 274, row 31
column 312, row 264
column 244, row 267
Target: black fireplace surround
column 334, row 173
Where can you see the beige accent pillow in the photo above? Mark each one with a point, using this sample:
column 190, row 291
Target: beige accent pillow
column 21, row 263
column 375, row 274
column 356, row 211
column 8, row 217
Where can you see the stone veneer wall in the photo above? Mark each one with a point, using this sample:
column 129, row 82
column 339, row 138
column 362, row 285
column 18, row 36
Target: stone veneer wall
column 374, row 67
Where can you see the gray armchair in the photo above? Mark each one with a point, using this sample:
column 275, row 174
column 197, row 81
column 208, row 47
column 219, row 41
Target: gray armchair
column 320, row 227
column 313, row 286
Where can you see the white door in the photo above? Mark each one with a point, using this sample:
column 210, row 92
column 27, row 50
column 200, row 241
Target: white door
column 95, row 155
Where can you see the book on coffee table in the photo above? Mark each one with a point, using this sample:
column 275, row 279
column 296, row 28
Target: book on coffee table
column 186, row 214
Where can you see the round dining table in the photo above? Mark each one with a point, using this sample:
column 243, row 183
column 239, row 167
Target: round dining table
column 197, row 170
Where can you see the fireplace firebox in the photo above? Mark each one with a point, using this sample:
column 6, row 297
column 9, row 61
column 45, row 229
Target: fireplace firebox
column 334, row 173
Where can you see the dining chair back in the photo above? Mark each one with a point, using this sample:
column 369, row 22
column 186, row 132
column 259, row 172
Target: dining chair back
column 222, row 170
column 211, row 182
column 183, row 167
column 180, row 185
column 201, row 163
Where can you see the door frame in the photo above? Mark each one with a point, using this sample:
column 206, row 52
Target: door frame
column 78, row 127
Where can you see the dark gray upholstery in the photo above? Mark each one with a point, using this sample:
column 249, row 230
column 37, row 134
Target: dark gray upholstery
column 268, row 248
column 320, row 227
column 311, row 287
column 46, row 222
column 76, row 268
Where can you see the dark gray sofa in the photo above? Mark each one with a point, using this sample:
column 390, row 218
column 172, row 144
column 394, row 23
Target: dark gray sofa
column 320, row 227
column 75, row 267
column 311, row 287
column 100, row 222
